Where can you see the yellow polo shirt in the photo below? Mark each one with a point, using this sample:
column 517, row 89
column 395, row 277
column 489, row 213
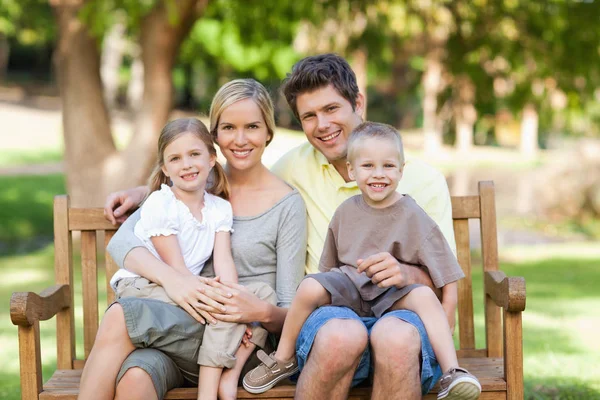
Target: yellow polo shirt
column 323, row 190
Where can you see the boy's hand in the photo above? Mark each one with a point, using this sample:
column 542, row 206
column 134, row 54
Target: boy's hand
column 246, row 338
column 384, row 270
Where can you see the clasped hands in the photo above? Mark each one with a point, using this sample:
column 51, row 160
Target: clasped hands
column 385, row 270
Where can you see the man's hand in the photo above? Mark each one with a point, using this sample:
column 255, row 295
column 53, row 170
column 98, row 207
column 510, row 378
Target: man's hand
column 119, row 205
column 385, row 271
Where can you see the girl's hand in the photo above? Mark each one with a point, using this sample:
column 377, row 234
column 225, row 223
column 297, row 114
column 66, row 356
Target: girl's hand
column 195, row 296
column 241, row 305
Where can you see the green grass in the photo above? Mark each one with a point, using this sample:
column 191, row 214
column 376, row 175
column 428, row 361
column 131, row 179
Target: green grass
column 560, row 324
column 15, row 158
column 26, row 211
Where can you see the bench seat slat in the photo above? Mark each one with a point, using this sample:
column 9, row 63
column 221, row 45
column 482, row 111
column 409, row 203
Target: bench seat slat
column 64, row 384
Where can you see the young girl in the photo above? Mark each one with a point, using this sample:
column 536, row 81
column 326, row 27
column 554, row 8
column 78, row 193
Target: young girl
column 183, row 225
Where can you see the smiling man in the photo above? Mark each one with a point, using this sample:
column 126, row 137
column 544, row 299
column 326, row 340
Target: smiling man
column 333, row 347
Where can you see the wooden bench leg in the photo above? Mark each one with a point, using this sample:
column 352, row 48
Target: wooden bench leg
column 31, row 362
column 513, row 356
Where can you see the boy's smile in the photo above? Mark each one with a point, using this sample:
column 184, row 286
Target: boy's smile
column 377, row 169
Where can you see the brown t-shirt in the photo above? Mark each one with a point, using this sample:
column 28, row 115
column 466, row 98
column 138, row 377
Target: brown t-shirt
column 403, row 229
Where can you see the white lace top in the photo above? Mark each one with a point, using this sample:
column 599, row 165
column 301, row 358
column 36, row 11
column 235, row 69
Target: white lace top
column 162, row 214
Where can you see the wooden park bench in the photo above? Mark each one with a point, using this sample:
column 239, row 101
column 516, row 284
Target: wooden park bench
column 499, row 365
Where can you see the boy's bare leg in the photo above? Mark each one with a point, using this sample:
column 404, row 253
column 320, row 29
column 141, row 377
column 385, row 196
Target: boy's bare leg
column 425, row 304
column 310, row 296
column 208, row 382
column 111, row 348
column 230, row 378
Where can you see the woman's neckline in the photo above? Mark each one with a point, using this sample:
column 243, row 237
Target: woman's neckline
column 255, row 216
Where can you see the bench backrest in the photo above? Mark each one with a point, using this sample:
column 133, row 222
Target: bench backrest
column 95, row 265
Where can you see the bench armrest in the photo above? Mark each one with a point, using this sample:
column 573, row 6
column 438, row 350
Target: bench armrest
column 507, row 292
column 27, row 307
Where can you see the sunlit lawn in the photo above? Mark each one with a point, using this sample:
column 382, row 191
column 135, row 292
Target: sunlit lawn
column 561, row 322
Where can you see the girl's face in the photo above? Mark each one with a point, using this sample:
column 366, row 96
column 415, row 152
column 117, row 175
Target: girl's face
column 242, row 134
column 188, row 162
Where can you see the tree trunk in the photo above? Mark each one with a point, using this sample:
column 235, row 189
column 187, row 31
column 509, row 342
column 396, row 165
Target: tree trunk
column 529, row 131
column 159, row 42
column 360, row 67
column 94, row 167
column 86, row 124
column 465, row 114
column 432, row 82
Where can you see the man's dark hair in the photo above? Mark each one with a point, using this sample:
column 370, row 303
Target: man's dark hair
column 315, row 72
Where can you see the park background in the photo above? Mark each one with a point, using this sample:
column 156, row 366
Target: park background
column 503, row 90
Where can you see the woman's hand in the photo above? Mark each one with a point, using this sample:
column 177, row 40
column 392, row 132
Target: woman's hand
column 241, row 305
column 196, row 296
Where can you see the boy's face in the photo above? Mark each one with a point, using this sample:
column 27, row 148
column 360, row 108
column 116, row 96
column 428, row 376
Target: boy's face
column 377, row 169
column 327, row 119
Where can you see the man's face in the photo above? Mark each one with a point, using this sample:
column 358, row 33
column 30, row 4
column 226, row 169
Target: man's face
column 327, row 119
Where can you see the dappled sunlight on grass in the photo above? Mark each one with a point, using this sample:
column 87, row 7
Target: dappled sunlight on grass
column 26, row 211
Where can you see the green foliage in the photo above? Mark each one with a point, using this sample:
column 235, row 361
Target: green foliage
column 29, row 21
column 247, row 38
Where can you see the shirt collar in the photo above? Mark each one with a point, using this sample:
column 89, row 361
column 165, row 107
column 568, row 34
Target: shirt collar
column 337, row 178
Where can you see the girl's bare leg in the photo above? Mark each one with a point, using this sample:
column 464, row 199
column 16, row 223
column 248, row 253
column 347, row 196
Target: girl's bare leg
column 230, row 378
column 310, row 296
column 111, row 348
column 426, row 305
column 208, row 382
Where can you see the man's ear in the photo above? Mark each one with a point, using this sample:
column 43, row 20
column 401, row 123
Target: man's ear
column 350, row 170
column 360, row 105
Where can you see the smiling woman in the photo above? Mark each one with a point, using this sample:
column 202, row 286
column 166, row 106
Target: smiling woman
column 269, row 250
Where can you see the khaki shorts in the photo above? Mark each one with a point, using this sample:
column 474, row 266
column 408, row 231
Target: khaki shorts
column 170, row 343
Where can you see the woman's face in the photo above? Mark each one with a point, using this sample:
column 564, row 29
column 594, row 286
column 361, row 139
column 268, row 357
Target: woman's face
column 242, row 134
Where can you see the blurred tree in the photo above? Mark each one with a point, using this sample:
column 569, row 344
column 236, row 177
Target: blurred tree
column 94, row 166
column 29, row 22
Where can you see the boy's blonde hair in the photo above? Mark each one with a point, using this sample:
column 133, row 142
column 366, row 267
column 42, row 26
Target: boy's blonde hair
column 374, row 130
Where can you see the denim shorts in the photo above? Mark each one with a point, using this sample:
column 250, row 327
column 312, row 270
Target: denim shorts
column 430, row 369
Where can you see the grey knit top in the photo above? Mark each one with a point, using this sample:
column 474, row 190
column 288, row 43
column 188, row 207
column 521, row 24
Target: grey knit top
column 269, row 247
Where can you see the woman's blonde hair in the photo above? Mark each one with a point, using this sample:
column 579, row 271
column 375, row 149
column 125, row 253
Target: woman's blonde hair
column 173, row 130
column 242, row 89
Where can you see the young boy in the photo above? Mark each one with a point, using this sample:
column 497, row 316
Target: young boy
column 378, row 220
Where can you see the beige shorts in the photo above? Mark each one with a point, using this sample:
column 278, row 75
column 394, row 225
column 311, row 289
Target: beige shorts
column 220, row 341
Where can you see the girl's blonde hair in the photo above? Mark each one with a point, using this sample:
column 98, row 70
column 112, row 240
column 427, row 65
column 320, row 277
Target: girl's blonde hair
column 242, row 89
column 218, row 185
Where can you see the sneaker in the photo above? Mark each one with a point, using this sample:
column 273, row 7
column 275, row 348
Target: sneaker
column 268, row 373
column 457, row 384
